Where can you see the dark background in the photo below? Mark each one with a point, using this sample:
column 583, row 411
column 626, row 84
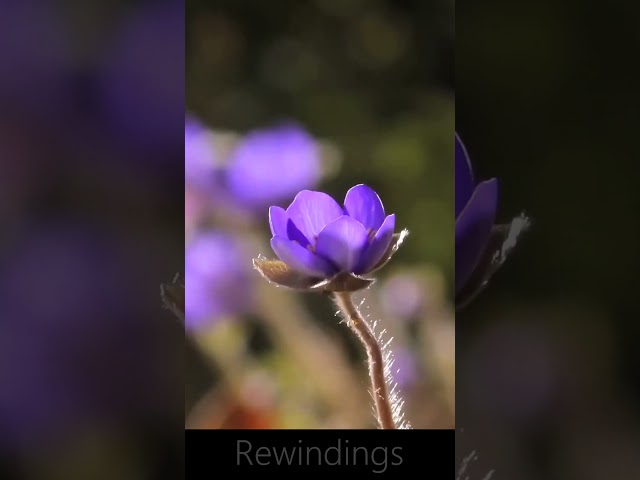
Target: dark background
column 91, row 223
column 548, row 365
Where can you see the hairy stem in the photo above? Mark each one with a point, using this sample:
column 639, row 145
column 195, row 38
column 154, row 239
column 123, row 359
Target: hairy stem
column 361, row 328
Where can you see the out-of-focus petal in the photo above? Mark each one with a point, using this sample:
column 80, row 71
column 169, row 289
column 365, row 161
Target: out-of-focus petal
column 199, row 154
column 312, row 211
column 342, row 242
column 271, row 164
column 406, row 294
column 464, row 176
column 300, row 258
column 217, row 280
column 379, row 245
column 473, row 229
column 405, row 368
column 364, row 204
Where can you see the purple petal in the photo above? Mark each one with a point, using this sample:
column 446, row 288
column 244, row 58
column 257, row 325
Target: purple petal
column 405, row 368
column 282, row 226
column 342, row 242
column 296, row 235
column 473, row 229
column 200, row 156
column 216, row 279
column 278, row 219
column 363, row 204
column 464, row 176
column 272, row 164
column 312, row 211
column 301, row 259
column 379, row 245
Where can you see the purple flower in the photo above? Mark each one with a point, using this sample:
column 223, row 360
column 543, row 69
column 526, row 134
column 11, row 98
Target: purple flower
column 405, row 370
column 216, row 281
column 322, row 245
column 199, row 154
column 481, row 244
column 405, row 295
column 272, row 164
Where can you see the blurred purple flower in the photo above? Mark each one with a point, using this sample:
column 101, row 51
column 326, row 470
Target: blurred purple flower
column 271, row 164
column 405, row 368
column 199, row 155
column 217, row 281
column 324, row 243
column 403, row 295
column 481, row 244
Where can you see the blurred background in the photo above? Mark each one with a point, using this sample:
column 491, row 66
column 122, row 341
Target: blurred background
column 323, row 95
column 91, row 196
column 548, row 364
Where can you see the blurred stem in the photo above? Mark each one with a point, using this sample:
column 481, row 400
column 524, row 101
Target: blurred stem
column 375, row 358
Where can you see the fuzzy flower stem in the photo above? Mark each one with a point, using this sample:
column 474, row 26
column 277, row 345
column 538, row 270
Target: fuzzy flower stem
column 361, row 328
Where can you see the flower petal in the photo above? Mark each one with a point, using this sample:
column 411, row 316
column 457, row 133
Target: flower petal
column 473, row 229
column 312, row 211
column 300, row 258
column 379, row 245
column 296, row 235
column 464, row 176
column 278, row 219
column 342, row 242
column 272, row 164
column 364, row 204
column 282, row 226
column 396, row 242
